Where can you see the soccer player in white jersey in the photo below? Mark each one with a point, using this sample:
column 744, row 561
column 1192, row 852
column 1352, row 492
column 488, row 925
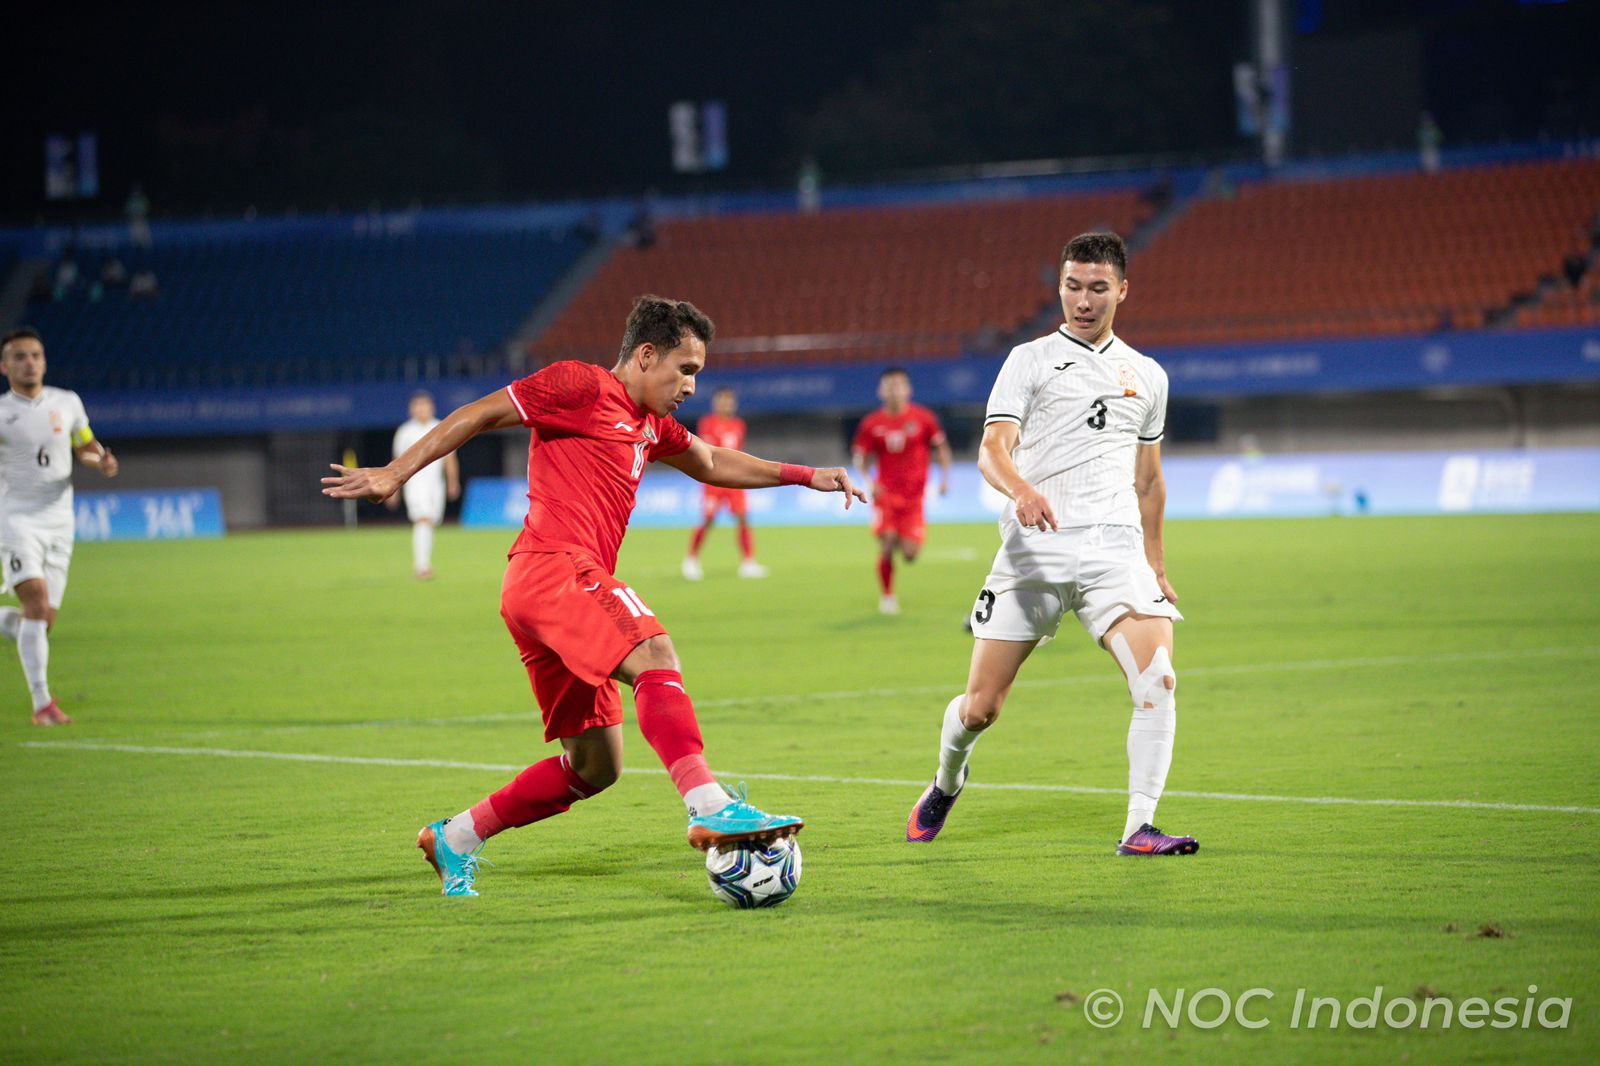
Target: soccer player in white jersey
column 40, row 430
column 1072, row 438
column 425, row 494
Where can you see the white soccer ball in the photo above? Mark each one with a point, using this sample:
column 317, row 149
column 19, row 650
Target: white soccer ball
column 761, row 876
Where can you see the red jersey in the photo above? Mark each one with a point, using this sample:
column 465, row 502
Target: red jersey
column 901, row 444
column 590, row 445
column 722, row 432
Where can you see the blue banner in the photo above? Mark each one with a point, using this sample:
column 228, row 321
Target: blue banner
column 168, row 514
column 1282, row 486
column 1372, row 364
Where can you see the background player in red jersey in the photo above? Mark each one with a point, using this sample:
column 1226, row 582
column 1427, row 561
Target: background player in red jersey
column 579, row 628
column 898, row 437
column 723, row 428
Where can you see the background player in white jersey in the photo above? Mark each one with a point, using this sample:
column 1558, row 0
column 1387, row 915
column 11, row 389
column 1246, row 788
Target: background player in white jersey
column 40, row 430
column 426, row 493
column 1072, row 437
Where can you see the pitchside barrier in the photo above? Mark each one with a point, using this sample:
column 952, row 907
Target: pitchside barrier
column 1280, row 486
column 171, row 514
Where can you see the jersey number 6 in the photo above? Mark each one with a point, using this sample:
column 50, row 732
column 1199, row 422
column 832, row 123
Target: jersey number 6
column 43, row 457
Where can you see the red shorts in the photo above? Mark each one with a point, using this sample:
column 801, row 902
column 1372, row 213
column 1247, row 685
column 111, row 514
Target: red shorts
column 717, row 498
column 901, row 516
column 573, row 622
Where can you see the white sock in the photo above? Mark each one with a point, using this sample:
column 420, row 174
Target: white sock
column 460, row 835
column 422, row 546
column 10, row 622
column 703, row 800
column 955, row 744
column 33, row 646
column 1150, row 737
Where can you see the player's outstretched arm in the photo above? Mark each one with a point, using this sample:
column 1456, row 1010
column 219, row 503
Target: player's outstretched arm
column 995, row 464
column 730, row 469
column 1151, row 488
column 378, row 483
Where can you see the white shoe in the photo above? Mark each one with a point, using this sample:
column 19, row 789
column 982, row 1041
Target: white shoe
column 691, row 569
column 751, row 568
column 888, row 605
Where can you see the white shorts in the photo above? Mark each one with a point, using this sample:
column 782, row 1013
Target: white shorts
column 32, row 550
column 1098, row 572
column 424, row 502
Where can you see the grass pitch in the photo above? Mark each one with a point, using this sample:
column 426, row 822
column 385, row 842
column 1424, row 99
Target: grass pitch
column 173, row 893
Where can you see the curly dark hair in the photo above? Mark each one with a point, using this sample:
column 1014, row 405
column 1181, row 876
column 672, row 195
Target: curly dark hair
column 664, row 323
column 1096, row 248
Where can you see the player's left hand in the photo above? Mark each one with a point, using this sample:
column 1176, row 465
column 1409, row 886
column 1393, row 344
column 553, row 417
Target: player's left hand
column 837, row 479
column 108, row 462
column 452, row 492
column 374, row 484
column 1166, row 587
column 944, row 488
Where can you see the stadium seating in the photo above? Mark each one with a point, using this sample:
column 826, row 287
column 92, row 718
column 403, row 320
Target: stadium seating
column 1408, row 253
column 326, row 308
column 856, row 283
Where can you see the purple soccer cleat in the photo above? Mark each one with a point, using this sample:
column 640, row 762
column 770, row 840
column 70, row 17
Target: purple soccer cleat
column 928, row 816
column 1151, row 841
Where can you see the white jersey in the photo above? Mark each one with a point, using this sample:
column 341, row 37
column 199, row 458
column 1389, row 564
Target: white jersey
column 1084, row 411
column 36, row 442
column 431, row 477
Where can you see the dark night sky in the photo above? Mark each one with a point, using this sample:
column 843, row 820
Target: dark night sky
column 227, row 103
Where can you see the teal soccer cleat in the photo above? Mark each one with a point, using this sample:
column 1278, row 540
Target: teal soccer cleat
column 456, row 872
column 739, row 824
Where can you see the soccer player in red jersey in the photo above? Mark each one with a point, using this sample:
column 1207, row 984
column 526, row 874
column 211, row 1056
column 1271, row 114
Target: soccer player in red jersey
column 581, row 629
column 898, row 437
column 723, row 428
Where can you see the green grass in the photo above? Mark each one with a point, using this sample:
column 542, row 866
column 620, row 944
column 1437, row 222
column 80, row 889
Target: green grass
column 161, row 907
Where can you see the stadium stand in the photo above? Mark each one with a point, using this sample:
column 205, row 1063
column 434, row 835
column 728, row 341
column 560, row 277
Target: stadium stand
column 1394, row 254
column 854, row 283
column 347, row 308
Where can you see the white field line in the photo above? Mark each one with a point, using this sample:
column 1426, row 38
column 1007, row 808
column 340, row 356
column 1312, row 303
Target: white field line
column 510, row 768
column 954, row 687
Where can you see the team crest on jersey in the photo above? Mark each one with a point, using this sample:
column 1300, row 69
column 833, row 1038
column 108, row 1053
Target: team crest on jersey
column 1125, row 378
column 650, row 434
column 55, row 421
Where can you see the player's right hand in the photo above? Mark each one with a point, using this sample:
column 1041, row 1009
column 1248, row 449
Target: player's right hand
column 374, row 484
column 837, row 479
column 1033, row 511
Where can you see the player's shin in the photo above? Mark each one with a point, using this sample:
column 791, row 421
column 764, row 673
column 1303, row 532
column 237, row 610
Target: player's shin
column 747, row 542
column 1150, row 733
column 10, row 622
column 33, row 648
column 543, row 790
column 422, row 547
column 955, row 747
column 666, row 718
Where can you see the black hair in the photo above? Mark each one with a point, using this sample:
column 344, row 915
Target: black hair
column 1104, row 248
column 663, row 322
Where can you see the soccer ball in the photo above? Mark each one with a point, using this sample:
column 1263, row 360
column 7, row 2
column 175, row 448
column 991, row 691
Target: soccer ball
column 755, row 877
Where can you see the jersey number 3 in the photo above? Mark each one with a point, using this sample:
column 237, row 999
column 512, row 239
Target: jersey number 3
column 1098, row 419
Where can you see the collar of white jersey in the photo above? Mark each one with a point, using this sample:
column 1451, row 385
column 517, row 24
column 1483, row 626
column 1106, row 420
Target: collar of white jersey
column 1085, row 345
column 17, row 396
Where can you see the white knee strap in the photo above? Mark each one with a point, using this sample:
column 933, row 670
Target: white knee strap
column 1148, row 687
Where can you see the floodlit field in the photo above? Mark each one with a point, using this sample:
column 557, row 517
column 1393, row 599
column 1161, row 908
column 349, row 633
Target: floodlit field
column 1387, row 746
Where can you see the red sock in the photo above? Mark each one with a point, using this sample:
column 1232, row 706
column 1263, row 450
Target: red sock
column 886, row 573
column 698, row 539
column 541, row 791
column 666, row 718
column 747, row 543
